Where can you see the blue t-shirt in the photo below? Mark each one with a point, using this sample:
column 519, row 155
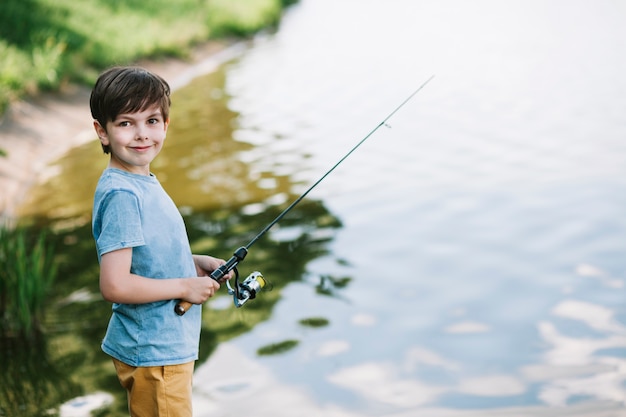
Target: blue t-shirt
column 134, row 211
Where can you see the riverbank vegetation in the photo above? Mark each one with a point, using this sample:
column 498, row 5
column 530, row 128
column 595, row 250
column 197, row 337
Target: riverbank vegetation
column 47, row 43
column 27, row 272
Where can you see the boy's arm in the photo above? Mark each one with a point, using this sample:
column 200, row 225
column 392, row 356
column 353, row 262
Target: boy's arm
column 118, row 285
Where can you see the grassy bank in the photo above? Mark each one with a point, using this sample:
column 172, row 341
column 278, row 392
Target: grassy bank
column 27, row 272
column 45, row 43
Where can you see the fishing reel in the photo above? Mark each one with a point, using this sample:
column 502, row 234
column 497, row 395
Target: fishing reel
column 246, row 290
column 242, row 292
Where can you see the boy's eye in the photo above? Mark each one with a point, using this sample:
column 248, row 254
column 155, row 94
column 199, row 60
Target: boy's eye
column 124, row 123
column 153, row 121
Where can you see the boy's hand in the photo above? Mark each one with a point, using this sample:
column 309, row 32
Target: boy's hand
column 200, row 289
column 205, row 265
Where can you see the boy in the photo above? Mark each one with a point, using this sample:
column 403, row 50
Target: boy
column 146, row 263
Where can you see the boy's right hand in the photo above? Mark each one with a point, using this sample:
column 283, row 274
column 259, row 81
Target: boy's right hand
column 200, row 289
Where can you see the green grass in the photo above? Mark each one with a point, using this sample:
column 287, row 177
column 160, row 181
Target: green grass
column 27, row 272
column 45, row 43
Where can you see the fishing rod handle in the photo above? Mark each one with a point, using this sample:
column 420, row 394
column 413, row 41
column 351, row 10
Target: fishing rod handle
column 183, row 306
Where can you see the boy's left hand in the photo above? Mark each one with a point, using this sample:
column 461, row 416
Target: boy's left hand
column 205, row 265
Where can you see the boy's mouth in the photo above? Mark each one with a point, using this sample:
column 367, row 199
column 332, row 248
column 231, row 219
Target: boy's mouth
column 141, row 148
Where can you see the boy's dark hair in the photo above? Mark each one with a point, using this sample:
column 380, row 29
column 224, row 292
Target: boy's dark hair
column 127, row 90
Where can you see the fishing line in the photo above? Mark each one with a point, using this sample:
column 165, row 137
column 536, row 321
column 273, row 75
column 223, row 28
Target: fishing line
column 255, row 282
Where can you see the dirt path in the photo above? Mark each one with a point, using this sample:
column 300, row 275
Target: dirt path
column 38, row 131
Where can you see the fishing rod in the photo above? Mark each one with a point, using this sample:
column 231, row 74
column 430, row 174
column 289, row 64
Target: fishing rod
column 255, row 282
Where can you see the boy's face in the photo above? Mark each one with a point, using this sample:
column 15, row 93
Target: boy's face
column 135, row 139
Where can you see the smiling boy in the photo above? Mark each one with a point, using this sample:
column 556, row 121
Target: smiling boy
column 146, row 263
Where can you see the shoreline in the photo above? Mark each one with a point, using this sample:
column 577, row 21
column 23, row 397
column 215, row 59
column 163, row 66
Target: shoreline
column 38, row 131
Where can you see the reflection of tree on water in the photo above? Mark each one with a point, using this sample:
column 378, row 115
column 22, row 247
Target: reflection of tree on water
column 281, row 255
column 76, row 325
column 33, row 379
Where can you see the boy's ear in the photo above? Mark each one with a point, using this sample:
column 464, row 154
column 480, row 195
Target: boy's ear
column 167, row 123
column 101, row 132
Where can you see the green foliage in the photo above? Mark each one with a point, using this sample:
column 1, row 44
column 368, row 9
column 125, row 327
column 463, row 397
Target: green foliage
column 27, row 272
column 46, row 42
column 314, row 322
column 32, row 46
column 277, row 348
column 242, row 18
column 330, row 285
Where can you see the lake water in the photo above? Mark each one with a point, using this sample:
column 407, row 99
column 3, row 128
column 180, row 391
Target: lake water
column 481, row 233
column 484, row 231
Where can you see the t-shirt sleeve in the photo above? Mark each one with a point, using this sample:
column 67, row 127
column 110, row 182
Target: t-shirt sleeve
column 120, row 222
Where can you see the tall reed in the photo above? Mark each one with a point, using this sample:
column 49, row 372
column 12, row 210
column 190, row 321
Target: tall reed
column 27, row 272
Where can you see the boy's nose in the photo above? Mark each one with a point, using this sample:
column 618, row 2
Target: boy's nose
column 141, row 133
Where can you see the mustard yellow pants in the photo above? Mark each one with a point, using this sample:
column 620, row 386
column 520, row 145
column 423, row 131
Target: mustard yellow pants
column 157, row 391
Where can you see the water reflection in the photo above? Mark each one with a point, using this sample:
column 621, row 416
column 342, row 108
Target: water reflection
column 77, row 320
column 36, row 376
column 282, row 261
column 582, row 367
column 225, row 203
column 577, row 375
